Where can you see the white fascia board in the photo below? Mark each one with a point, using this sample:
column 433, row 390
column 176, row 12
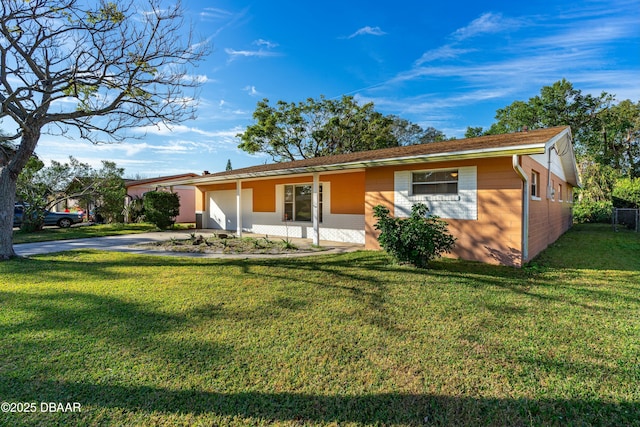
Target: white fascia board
column 568, row 157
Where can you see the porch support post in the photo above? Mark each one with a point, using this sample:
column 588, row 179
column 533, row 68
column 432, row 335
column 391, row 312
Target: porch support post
column 239, row 208
column 315, row 209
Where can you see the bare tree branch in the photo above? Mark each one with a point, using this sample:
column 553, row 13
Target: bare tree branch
column 99, row 68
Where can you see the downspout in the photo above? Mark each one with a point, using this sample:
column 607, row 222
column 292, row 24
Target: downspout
column 525, row 206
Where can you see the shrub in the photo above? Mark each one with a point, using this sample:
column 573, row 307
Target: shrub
column 592, row 211
column 161, row 208
column 417, row 239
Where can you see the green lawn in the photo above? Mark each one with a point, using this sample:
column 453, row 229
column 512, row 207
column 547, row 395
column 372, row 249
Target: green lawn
column 83, row 231
column 326, row 340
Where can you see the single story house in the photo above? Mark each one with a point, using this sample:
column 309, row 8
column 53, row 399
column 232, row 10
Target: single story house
column 505, row 197
column 186, row 193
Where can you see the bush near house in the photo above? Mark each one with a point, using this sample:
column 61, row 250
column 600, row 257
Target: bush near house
column 415, row 240
column 589, row 211
column 161, row 208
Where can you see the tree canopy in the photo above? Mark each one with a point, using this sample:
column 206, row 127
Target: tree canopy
column 41, row 187
column 604, row 131
column 321, row 127
column 91, row 69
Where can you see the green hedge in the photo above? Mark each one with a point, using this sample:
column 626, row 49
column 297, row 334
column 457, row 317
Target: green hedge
column 590, row 211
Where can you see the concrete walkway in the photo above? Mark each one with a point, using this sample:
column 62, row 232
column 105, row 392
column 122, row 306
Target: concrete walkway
column 127, row 242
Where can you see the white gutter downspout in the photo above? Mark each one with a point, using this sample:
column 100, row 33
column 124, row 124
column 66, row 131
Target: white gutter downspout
column 525, row 206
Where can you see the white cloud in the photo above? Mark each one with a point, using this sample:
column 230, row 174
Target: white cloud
column 163, row 129
column 487, row 23
column 443, row 52
column 226, row 17
column 373, row 31
column 196, row 78
column 265, row 43
column 251, row 90
column 212, row 13
column 234, row 54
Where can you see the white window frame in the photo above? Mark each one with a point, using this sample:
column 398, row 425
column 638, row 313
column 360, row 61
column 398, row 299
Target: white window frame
column 452, row 172
column 560, row 192
column 535, row 185
column 293, row 202
column 463, row 205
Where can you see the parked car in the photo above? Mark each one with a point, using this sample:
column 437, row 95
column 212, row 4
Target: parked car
column 61, row 219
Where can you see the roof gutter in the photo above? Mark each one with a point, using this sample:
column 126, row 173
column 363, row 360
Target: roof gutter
column 515, row 159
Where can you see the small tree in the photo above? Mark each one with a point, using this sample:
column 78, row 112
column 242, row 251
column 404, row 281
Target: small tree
column 161, row 208
column 417, row 239
column 110, row 191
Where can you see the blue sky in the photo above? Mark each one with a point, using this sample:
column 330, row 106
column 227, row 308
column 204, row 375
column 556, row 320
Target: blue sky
column 443, row 64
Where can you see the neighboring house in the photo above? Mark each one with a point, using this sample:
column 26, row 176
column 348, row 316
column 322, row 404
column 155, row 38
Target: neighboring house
column 505, row 197
column 137, row 188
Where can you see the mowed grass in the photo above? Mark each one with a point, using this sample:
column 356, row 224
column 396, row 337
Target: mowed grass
column 326, row 340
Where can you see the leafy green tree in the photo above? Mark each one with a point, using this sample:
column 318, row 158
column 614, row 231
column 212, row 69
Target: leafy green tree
column 473, row 132
column 32, row 193
column 94, row 68
column 109, row 191
column 408, row 133
column 41, row 187
column 314, row 128
column 229, row 167
column 619, row 145
column 626, row 193
column 606, row 135
column 161, row 208
column 558, row 105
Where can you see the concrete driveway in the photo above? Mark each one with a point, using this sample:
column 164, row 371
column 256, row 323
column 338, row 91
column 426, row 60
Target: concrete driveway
column 127, row 242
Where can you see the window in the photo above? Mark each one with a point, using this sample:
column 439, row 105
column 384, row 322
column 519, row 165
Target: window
column 535, row 184
column 559, row 192
column 298, row 202
column 435, row 182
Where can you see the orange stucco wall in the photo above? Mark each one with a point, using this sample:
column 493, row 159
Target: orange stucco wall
column 548, row 219
column 495, row 237
column 347, row 191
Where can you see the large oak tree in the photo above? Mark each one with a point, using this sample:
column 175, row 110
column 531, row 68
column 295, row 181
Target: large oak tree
column 321, row 127
column 87, row 69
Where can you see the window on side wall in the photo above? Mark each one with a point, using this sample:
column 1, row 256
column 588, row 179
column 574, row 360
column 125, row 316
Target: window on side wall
column 535, row 184
column 298, row 202
column 435, row 182
column 559, row 192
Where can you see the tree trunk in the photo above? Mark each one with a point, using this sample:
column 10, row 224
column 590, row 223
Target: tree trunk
column 7, row 200
column 8, row 179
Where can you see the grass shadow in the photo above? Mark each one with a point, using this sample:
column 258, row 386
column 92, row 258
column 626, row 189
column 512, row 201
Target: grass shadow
column 303, row 409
